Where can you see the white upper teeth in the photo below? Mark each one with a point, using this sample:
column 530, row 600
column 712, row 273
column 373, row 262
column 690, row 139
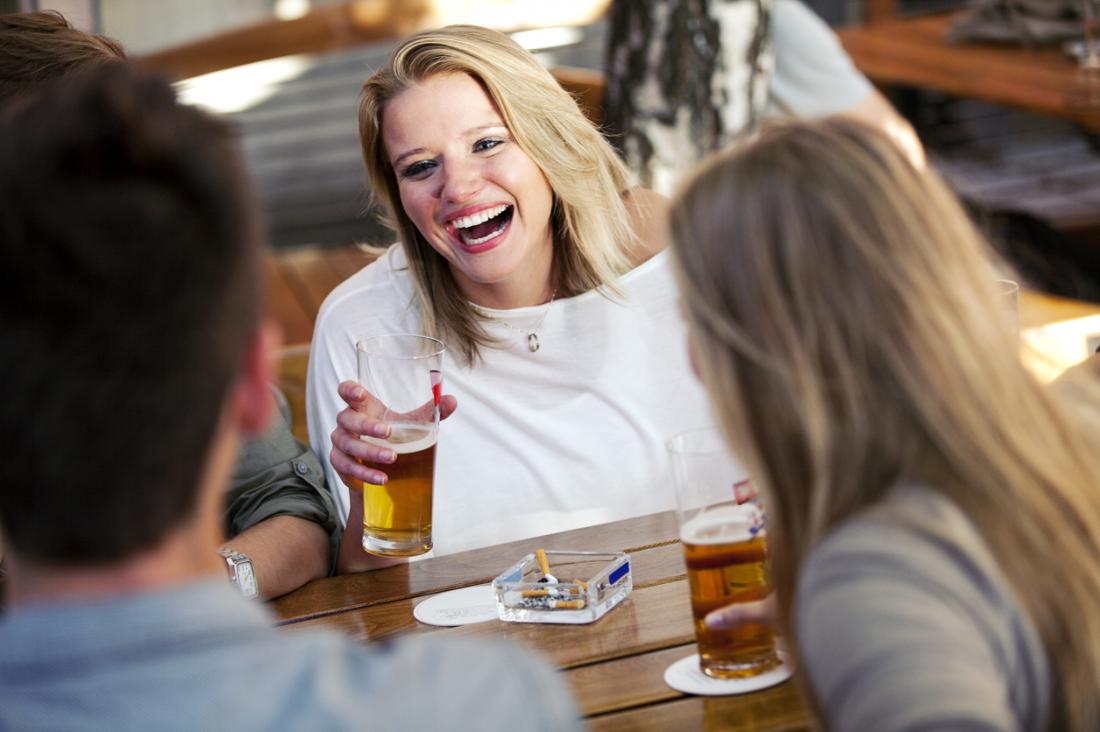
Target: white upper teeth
column 465, row 222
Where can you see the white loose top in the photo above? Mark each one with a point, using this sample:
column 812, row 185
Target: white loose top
column 569, row 436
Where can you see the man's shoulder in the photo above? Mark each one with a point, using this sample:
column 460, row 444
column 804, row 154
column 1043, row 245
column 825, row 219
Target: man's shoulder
column 201, row 656
column 437, row 684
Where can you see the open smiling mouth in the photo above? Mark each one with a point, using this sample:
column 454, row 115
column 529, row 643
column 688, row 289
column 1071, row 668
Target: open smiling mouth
column 482, row 226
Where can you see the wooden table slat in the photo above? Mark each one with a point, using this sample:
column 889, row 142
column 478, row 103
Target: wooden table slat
column 622, row 683
column 379, row 620
column 915, row 52
column 615, row 666
column 651, row 619
column 1039, row 309
column 778, row 709
column 348, row 592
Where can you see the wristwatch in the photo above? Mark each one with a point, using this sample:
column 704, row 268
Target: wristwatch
column 241, row 574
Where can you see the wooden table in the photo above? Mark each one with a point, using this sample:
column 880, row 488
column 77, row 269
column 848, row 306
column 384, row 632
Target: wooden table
column 615, row 666
column 915, row 52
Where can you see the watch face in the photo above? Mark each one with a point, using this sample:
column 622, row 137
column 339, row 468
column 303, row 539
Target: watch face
column 246, row 579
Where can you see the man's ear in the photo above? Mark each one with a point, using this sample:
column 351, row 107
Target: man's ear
column 252, row 391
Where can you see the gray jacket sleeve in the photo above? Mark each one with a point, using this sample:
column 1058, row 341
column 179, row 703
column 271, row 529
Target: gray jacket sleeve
column 905, row 622
column 278, row 476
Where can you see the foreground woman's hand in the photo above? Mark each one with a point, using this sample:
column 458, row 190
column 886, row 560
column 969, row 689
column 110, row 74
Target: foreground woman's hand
column 362, row 417
column 742, row 613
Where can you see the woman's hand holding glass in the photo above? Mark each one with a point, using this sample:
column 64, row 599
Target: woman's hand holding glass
column 742, row 613
column 359, row 418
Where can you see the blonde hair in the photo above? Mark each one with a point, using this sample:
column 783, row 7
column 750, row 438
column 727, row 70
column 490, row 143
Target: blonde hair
column 848, row 329
column 591, row 227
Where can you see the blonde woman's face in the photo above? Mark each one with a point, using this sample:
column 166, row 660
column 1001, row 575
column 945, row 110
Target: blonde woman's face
column 474, row 195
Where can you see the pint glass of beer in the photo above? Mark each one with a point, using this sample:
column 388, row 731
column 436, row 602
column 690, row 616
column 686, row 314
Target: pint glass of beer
column 404, row 374
column 726, row 552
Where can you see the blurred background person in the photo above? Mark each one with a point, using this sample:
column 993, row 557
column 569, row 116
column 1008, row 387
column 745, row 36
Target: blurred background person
column 687, row 77
column 933, row 516
column 279, row 512
column 132, row 297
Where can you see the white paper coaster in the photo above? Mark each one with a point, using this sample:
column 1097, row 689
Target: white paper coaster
column 459, row 607
column 686, row 676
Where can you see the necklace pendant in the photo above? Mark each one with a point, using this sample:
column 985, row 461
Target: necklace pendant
column 532, row 342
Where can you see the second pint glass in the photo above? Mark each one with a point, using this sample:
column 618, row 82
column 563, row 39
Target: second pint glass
column 726, row 553
column 404, row 374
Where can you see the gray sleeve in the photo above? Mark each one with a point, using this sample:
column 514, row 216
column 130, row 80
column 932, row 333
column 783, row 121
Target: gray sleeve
column 278, row 476
column 813, row 75
column 898, row 633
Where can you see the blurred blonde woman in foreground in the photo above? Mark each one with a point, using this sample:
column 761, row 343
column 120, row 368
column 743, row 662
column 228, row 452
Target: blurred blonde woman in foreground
column 933, row 510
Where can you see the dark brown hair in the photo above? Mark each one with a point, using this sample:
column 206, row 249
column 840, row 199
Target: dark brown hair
column 36, row 48
column 129, row 291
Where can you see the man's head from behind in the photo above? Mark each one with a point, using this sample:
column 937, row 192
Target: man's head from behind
column 129, row 299
column 36, row 48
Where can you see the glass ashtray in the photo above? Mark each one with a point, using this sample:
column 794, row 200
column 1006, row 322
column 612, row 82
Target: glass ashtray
column 589, row 584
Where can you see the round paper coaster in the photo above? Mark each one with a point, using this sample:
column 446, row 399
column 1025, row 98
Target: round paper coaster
column 686, row 676
column 459, row 607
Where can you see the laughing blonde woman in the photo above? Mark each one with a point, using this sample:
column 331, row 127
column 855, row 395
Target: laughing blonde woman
column 933, row 510
column 523, row 246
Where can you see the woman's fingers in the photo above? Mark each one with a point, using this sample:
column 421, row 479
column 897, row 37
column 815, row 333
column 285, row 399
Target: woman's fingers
column 732, row 616
column 357, row 423
column 347, row 452
column 362, row 401
column 361, row 418
column 355, row 474
column 352, row 393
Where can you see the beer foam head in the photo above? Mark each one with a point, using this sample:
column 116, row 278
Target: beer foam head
column 723, row 525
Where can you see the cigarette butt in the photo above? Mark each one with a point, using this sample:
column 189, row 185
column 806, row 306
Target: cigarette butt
column 581, row 583
column 535, row 593
column 548, row 603
column 544, row 563
column 548, row 592
column 567, row 604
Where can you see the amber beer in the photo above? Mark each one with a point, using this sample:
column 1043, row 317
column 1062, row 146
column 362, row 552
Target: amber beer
column 727, row 563
column 402, row 373
column 397, row 517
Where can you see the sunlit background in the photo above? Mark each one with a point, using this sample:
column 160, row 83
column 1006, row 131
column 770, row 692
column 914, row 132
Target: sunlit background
column 296, row 111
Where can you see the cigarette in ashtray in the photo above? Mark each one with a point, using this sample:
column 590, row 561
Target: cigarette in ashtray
column 560, row 591
column 541, row 602
column 544, row 567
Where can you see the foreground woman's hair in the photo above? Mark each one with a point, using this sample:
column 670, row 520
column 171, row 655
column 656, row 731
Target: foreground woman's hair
column 847, row 327
column 592, row 236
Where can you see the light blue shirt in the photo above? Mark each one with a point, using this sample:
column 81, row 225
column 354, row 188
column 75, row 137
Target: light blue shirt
column 200, row 657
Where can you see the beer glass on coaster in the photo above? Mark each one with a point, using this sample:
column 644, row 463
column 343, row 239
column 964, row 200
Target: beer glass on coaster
column 404, row 374
column 726, row 552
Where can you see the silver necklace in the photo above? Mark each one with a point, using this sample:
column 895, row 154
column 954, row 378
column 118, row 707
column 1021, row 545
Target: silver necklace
column 532, row 335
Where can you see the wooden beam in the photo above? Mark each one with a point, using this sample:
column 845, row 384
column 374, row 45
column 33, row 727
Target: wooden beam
column 325, row 28
column 347, row 24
